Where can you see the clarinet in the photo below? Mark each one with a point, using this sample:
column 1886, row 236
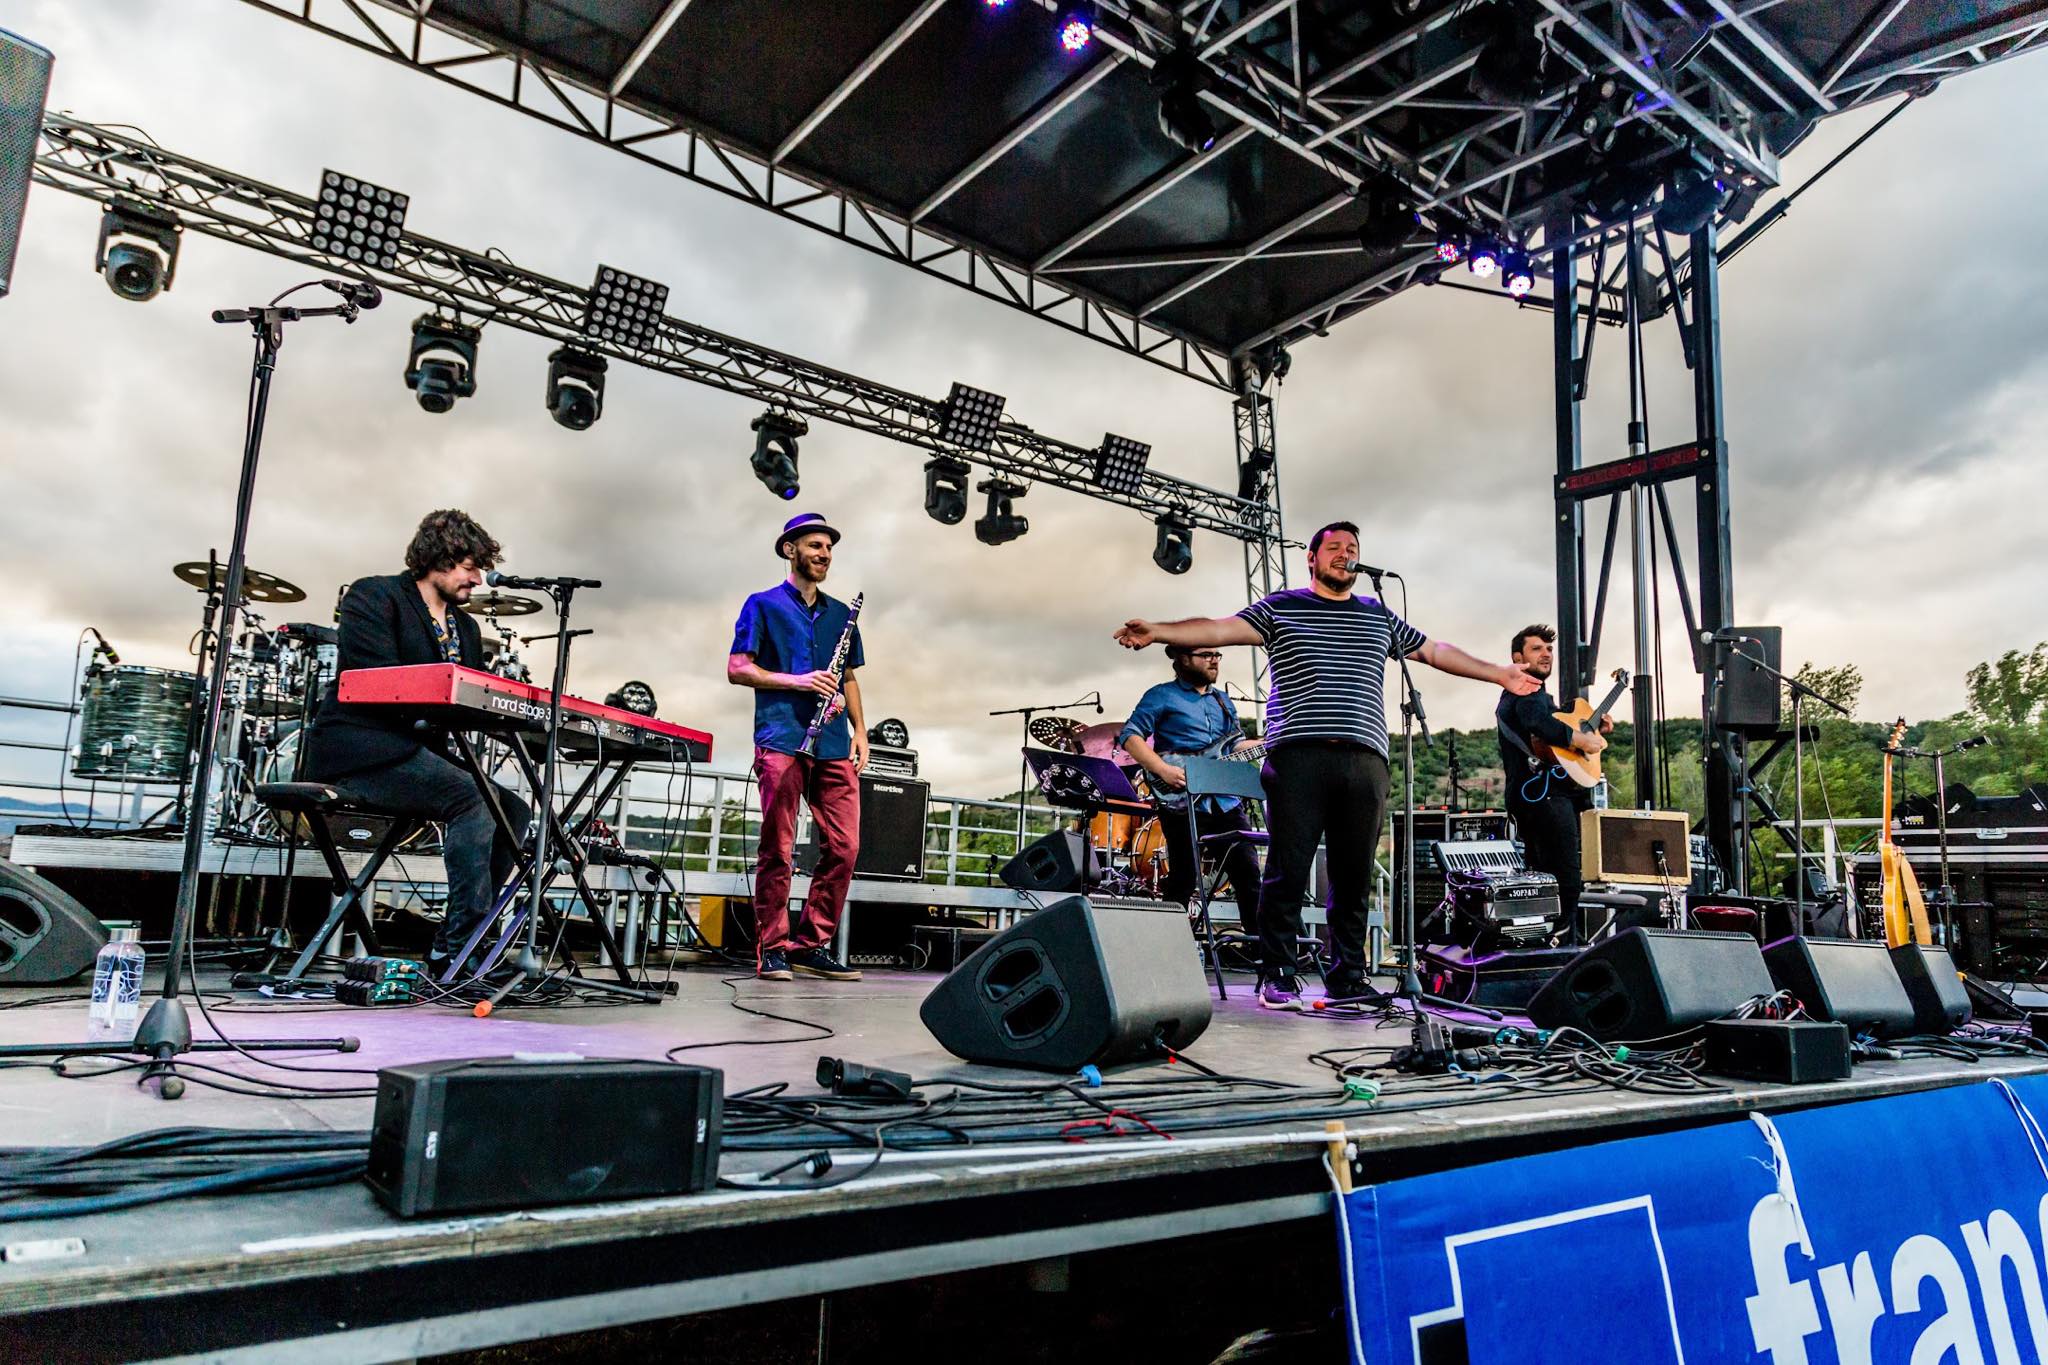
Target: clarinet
column 831, row 706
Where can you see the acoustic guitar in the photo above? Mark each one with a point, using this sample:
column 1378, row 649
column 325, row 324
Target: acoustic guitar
column 1905, row 910
column 1583, row 718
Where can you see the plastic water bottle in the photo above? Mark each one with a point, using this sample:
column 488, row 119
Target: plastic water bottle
column 116, row 988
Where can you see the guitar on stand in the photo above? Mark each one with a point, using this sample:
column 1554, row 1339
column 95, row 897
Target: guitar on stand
column 1583, row 718
column 1905, row 909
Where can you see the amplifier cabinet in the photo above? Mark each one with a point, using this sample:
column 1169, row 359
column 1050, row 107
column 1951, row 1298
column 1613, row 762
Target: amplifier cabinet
column 892, row 815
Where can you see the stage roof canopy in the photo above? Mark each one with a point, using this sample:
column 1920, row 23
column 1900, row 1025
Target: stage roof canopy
column 963, row 138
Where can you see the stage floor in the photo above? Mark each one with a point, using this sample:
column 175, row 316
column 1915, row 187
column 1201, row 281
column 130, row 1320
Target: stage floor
column 329, row 1271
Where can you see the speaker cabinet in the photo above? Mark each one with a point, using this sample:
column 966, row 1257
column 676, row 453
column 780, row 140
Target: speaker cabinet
column 1748, row 697
column 24, row 84
column 1052, row 862
column 1851, row 981
column 1648, row 983
column 1073, row 985
column 1635, row 847
column 1941, row 1002
column 45, row 935
column 892, row 814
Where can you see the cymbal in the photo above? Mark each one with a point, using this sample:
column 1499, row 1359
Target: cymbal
column 1059, row 733
column 257, row 586
column 1099, row 741
column 495, row 604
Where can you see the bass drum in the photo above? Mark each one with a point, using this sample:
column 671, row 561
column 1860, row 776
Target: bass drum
column 1148, row 855
column 353, row 832
column 135, row 724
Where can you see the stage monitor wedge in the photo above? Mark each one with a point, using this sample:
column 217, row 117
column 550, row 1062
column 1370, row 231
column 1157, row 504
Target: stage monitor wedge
column 1652, row 984
column 45, row 935
column 24, row 86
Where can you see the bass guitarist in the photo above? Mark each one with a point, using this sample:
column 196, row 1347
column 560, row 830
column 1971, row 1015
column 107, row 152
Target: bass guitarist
column 1543, row 801
column 1190, row 714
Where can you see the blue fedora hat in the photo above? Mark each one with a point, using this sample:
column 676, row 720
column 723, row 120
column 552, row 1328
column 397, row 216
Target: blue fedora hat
column 803, row 524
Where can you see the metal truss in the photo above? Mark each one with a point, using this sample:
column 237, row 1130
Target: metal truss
column 1265, row 559
column 102, row 164
column 399, row 30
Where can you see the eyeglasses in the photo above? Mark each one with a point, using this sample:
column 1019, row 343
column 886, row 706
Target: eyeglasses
column 1206, row 654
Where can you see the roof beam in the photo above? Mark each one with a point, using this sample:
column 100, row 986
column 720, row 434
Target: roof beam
column 1860, row 41
column 868, row 66
column 1396, row 97
column 645, row 47
column 1779, row 57
column 1142, row 196
column 1259, row 16
column 1273, row 238
column 1025, row 127
column 2034, row 18
column 1349, row 293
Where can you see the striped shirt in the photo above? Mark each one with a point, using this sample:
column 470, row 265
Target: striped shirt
column 1329, row 660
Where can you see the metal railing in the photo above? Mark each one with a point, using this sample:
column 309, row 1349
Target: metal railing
column 93, row 803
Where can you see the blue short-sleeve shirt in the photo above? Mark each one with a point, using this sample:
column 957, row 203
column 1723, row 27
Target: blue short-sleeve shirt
column 785, row 636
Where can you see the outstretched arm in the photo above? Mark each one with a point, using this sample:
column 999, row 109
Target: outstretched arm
column 1446, row 657
column 1196, row 630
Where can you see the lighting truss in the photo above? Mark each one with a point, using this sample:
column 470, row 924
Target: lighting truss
column 101, row 164
column 1120, row 463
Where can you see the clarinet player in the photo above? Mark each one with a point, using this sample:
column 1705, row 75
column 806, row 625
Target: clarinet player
column 784, row 647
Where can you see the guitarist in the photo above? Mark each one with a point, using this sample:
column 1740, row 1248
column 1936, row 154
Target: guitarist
column 1185, row 715
column 1544, row 802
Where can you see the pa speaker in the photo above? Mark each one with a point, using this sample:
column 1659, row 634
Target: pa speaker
column 1073, row 985
column 24, row 84
column 1851, row 981
column 1649, row 983
column 1747, row 698
column 1941, row 1002
column 892, row 812
column 1055, row 862
column 45, row 935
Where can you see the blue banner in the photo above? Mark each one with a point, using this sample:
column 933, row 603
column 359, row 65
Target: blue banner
column 1912, row 1229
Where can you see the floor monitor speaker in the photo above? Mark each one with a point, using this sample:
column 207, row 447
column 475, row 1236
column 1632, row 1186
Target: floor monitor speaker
column 45, row 935
column 1646, row 984
column 1851, row 981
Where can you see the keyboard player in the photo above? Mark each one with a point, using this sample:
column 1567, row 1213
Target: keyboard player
column 390, row 761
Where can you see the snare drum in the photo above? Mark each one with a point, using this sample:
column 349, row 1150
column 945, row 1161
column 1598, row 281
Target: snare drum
column 135, row 724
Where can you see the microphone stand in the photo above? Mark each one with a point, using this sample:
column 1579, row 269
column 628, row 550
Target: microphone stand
column 1941, row 817
column 1800, row 691
column 1024, row 765
column 166, row 1030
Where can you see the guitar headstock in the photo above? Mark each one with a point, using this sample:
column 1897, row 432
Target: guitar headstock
column 1898, row 735
column 1620, row 676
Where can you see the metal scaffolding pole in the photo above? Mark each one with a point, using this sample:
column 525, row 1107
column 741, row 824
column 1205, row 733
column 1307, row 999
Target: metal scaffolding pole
column 1725, row 751
column 1258, row 480
column 1574, row 660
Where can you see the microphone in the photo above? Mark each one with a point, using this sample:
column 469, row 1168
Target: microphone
column 505, row 580
column 359, row 292
column 103, row 649
column 1358, row 566
column 1724, row 636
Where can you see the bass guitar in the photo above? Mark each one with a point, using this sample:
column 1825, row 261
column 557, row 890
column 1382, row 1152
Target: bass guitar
column 1583, row 718
column 1905, row 910
column 1219, row 748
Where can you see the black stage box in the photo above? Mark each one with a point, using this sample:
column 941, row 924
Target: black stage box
column 892, row 814
column 1789, row 1051
column 476, row 1133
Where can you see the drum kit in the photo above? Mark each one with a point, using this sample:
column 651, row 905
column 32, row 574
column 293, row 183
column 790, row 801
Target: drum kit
column 1134, row 849
column 139, row 724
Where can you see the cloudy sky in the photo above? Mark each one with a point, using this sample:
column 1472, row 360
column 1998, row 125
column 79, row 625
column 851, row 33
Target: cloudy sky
column 1884, row 347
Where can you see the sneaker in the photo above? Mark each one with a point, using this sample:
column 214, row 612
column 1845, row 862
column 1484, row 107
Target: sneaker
column 819, row 962
column 772, row 966
column 1346, row 985
column 1281, row 992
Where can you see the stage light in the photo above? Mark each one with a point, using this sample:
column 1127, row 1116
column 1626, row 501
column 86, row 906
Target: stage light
column 634, row 696
column 1484, row 259
column 1183, row 118
column 1516, row 276
column 1174, row 550
column 358, row 221
column 575, row 387
column 1595, row 110
column 1691, row 199
column 624, row 308
column 891, row 733
column 442, row 365
column 1120, row 463
column 1000, row 524
column 945, row 489
column 1390, row 217
column 1450, row 247
column 1252, row 472
column 1509, row 67
column 138, row 250
column 775, row 451
column 970, row 417
column 1077, row 27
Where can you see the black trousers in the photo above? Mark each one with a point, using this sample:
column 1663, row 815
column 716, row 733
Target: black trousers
column 1314, row 792
column 1183, row 866
column 478, row 856
column 1549, row 830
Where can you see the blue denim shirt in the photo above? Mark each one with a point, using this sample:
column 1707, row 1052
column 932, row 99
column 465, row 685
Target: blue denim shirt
column 785, row 636
column 1180, row 720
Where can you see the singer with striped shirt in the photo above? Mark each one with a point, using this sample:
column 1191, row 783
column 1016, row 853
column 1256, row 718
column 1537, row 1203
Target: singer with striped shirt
column 1326, row 744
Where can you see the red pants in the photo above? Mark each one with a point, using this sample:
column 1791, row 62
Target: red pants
column 832, row 788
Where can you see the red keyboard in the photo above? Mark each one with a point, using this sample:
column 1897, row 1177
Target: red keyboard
column 469, row 699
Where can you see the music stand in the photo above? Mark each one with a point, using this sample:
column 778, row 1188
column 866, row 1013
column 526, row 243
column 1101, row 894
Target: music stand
column 1215, row 777
column 1085, row 783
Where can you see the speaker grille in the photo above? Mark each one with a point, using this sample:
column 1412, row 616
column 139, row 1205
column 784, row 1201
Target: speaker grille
column 24, row 85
